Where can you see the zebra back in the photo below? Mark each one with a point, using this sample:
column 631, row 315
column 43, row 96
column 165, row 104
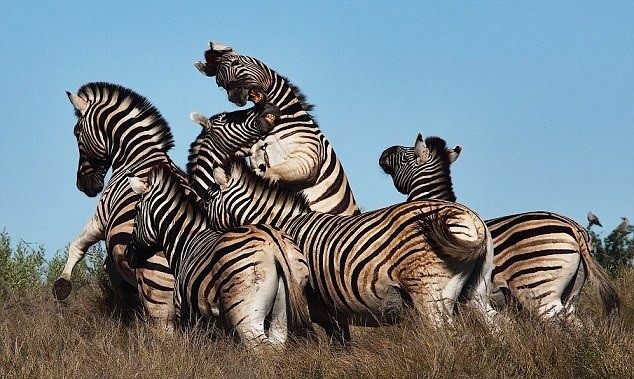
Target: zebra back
column 295, row 151
column 359, row 262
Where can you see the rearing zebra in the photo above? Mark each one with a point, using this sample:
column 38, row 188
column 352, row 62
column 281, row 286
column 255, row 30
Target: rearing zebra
column 365, row 268
column 295, row 151
column 243, row 277
column 542, row 258
column 119, row 129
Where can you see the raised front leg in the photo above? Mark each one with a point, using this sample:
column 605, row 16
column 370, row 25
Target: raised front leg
column 92, row 233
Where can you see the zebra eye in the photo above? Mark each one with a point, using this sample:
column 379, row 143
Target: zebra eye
column 235, row 63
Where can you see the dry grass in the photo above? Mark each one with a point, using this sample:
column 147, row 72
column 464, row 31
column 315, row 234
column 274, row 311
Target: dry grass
column 85, row 339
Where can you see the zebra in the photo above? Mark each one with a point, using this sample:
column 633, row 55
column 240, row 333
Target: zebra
column 364, row 268
column 540, row 257
column 118, row 128
column 224, row 135
column 240, row 276
column 295, row 151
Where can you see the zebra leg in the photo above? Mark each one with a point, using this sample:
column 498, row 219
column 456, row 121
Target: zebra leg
column 553, row 283
column 247, row 301
column 278, row 330
column 155, row 284
column 300, row 167
column 92, row 233
column 477, row 291
column 337, row 331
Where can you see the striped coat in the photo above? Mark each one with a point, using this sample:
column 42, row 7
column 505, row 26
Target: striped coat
column 365, row 269
column 119, row 129
column 541, row 258
column 243, row 277
column 295, row 151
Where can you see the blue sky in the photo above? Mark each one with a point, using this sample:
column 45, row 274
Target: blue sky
column 539, row 94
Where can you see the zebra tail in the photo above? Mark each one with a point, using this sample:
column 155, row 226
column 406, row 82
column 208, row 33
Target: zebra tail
column 298, row 316
column 597, row 275
column 459, row 234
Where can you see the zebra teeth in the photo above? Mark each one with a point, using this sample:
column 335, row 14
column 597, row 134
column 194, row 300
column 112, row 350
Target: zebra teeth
column 256, row 96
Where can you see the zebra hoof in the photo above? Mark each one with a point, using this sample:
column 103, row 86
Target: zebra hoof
column 61, row 289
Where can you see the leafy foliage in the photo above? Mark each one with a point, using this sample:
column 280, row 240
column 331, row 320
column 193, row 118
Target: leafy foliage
column 20, row 269
column 24, row 267
column 616, row 251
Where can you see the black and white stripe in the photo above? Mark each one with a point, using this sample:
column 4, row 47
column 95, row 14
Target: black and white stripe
column 119, row 129
column 295, row 152
column 223, row 136
column 364, row 268
column 252, row 277
column 542, row 258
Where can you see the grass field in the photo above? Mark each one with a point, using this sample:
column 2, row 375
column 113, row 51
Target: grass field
column 86, row 337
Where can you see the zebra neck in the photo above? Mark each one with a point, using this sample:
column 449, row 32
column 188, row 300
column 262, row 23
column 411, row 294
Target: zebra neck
column 291, row 105
column 240, row 133
column 279, row 214
column 128, row 158
column 177, row 228
column 426, row 191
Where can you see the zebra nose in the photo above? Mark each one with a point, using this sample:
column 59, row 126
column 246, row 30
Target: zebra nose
column 233, row 85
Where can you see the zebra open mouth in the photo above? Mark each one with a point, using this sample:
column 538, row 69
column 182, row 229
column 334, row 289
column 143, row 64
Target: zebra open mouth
column 256, row 96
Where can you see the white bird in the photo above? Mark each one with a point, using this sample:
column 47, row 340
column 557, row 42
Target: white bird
column 593, row 220
column 624, row 226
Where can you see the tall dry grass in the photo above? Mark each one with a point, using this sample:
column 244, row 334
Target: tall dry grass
column 86, row 338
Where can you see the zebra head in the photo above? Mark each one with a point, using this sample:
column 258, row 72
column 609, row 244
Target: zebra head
column 93, row 160
column 424, row 167
column 143, row 244
column 244, row 78
column 223, row 136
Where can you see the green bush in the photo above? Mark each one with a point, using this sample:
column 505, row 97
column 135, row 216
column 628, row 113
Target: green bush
column 21, row 269
column 25, row 268
column 616, row 251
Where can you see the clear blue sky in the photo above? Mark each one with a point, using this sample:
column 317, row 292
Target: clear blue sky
column 539, row 94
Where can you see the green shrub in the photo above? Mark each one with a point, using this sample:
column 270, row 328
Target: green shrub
column 25, row 268
column 21, row 269
column 616, row 251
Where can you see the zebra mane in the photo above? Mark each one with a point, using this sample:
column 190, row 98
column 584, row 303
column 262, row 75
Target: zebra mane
column 237, row 167
column 299, row 94
column 164, row 173
column 439, row 148
column 97, row 91
column 194, row 148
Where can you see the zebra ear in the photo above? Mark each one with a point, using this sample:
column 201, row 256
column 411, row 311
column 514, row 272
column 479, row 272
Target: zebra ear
column 212, row 58
column 454, row 153
column 220, row 176
column 200, row 119
column 139, row 186
column 80, row 104
column 219, row 48
column 421, row 150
